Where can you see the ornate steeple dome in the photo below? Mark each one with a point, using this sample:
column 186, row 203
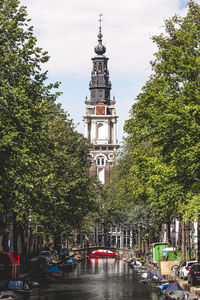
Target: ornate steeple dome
column 100, row 85
column 100, row 49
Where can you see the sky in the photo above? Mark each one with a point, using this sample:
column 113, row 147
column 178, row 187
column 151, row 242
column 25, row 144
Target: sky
column 68, row 30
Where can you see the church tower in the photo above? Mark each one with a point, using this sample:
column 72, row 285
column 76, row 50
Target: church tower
column 100, row 119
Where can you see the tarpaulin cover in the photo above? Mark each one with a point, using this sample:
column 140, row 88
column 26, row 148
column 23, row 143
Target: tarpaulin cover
column 70, row 261
column 54, row 269
column 16, row 285
column 163, row 286
column 173, row 287
column 152, row 273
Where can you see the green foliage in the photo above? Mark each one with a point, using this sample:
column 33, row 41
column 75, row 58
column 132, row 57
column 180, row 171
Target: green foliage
column 44, row 161
column 166, row 116
column 159, row 165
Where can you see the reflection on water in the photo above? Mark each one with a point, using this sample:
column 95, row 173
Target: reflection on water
column 97, row 279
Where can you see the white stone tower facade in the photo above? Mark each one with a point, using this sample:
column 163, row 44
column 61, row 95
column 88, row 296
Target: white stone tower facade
column 100, row 118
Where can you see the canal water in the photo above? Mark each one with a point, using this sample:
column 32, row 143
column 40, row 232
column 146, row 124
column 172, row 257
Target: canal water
column 96, row 279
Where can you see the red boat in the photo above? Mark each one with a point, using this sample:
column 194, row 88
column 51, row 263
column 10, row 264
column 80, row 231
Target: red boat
column 102, row 253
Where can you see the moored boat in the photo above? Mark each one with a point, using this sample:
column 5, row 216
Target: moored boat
column 102, row 253
column 68, row 264
column 54, row 272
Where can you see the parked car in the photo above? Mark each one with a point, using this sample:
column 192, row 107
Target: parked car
column 185, row 268
column 194, row 274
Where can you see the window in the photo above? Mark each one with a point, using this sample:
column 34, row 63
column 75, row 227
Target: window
column 113, row 240
column 91, row 111
column 100, row 68
column 100, row 161
column 100, row 93
column 118, row 241
column 124, row 241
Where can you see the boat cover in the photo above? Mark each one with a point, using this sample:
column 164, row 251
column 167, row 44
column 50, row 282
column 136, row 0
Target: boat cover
column 54, row 269
column 70, row 261
column 163, row 286
column 154, row 273
column 173, row 287
column 18, row 284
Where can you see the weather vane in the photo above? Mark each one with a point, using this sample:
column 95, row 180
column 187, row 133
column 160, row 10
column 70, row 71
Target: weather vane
column 100, row 19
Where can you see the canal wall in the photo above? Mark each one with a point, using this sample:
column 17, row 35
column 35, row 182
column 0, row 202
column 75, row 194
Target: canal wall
column 182, row 283
column 187, row 287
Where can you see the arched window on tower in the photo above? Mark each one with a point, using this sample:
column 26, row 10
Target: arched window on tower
column 100, row 160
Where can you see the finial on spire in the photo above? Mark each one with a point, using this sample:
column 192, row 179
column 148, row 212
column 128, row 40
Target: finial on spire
column 100, row 20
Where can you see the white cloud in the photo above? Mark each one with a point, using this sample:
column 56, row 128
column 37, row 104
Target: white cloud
column 68, row 30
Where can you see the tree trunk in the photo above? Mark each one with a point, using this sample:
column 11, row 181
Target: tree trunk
column 198, row 233
column 15, row 237
column 183, row 254
column 30, row 242
column 24, row 250
column 78, row 238
column 57, row 242
column 169, row 234
column 139, row 241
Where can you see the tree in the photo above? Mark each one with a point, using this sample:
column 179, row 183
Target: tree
column 24, row 101
column 67, row 189
column 162, row 162
column 44, row 161
column 128, row 200
column 167, row 110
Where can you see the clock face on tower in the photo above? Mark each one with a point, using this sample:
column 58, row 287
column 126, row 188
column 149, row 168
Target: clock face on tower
column 100, row 110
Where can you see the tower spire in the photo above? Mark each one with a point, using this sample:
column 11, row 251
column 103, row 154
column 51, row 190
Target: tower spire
column 100, row 49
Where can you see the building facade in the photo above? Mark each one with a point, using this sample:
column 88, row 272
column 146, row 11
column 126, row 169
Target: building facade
column 100, row 122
